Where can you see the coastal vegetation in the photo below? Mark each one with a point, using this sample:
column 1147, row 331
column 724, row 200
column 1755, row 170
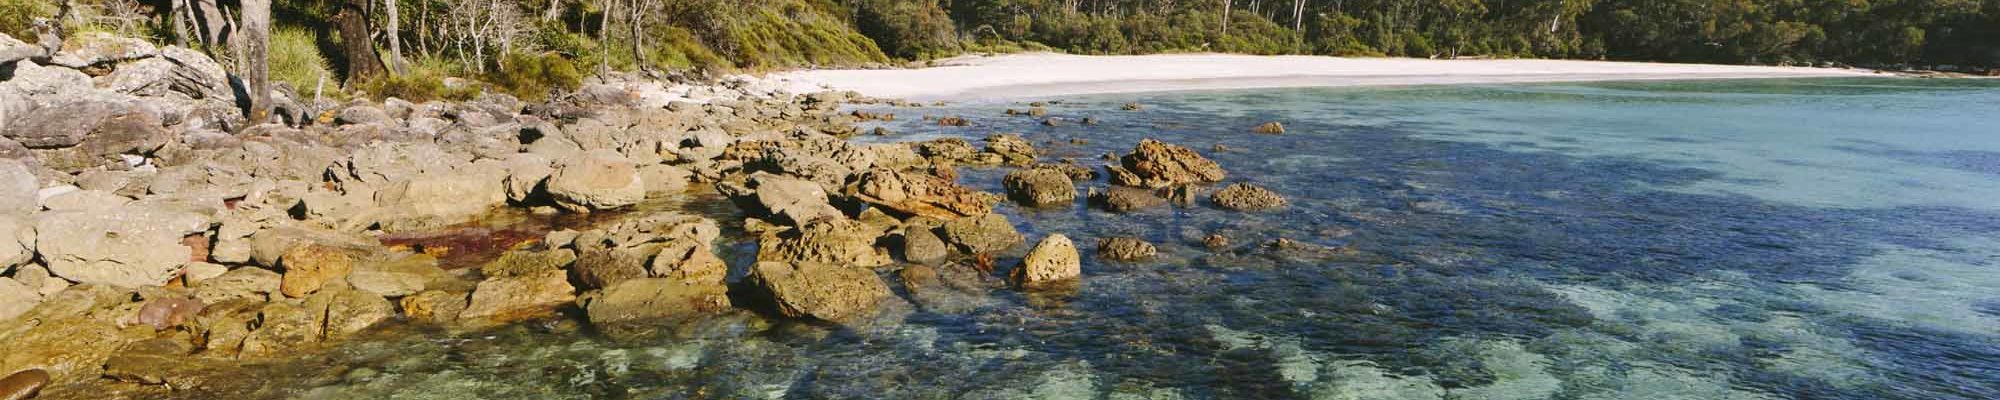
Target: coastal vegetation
column 363, row 41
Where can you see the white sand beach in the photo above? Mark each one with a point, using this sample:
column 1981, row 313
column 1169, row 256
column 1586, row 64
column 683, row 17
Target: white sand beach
column 1046, row 74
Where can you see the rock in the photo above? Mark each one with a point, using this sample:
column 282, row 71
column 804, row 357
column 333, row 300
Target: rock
column 829, row 241
column 441, row 198
column 953, row 121
column 252, row 283
column 1012, row 148
column 986, row 233
column 1154, row 164
column 784, row 200
column 151, row 361
column 85, row 200
column 397, row 278
column 1247, row 197
column 599, row 268
column 1134, row 107
column 197, row 272
column 24, row 384
column 1040, row 187
column 17, row 240
column 819, row 291
column 16, row 298
column 922, row 195
column 653, row 298
column 349, row 311
column 596, row 180
column 1125, row 199
column 282, row 327
column 528, row 262
column 525, row 174
column 1215, row 242
column 81, row 132
column 269, row 245
column 12, row 50
column 127, row 247
column 664, row 179
column 516, row 297
column 169, row 312
column 1053, row 259
column 433, row 306
column 690, row 262
column 17, row 189
column 362, row 114
column 307, row 268
column 99, row 48
column 1125, row 249
column 1269, row 128
column 1073, row 171
column 923, row 247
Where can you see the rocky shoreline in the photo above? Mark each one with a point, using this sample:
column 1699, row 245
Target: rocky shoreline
column 147, row 230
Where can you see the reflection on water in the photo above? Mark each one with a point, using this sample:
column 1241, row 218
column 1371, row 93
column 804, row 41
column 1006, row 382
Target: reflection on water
column 1822, row 238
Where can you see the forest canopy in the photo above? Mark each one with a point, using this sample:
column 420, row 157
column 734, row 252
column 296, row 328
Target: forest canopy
column 532, row 46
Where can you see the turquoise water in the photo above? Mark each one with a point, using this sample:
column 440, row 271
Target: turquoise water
column 1766, row 239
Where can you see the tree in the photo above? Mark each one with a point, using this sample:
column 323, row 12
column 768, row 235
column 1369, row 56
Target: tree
column 394, row 32
column 355, row 46
column 256, row 44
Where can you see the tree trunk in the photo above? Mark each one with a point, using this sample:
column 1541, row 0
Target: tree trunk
column 256, row 48
column 395, row 33
column 1226, row 7
column 638, row 46
column 362, row 62
column 603, row 43
column 555, row 10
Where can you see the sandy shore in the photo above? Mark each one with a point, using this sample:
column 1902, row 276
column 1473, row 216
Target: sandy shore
column 1044, row 74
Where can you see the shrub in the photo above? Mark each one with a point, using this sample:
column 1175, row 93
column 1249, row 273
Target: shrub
column 424, row 81
column 296, row 61
column 17, row 17
column 909, row 30
column 533, row 77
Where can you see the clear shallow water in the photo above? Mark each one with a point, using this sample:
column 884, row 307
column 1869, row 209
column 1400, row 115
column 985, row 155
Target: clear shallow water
column 1768, row 239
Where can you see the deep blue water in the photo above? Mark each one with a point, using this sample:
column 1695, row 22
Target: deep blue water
column 1757, row 239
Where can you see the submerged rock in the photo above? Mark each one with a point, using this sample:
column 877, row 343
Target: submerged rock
column 1269, row 128
column 1125, row 199
column 1040, row 187
column 1247, row 197
column 1053, row 259
column 1125, row 249
column 1154, row 164
column 819, row 291
column 653, row 298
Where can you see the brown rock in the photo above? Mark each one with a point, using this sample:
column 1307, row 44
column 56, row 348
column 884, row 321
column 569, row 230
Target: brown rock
column 1247, row 197
column 923, row 195
column 433, row 306
column 653, row 298
column 1155, row 164
column 1270, row 128
column 819, row 291
column 309, row 267
column 829, row 241
column 1124, row 199
column 518, row 297
column 1040, row 187
column 24, row 384
column 985, row 233
column 1125, row 249
column 1054, row 259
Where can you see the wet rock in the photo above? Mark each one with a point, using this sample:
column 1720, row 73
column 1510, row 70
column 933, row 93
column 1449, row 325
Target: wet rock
column 603, row 267
column 653, row 299
column 169, row 312
column 922, row 195
column 1053, row 259
column 24, row 384
column 1154, row 164
column 689, row 262
column 348, row 311
column 1133, row 107
column 16, row 298
column 528, row 262
column 819, row 291
column 829, row 241
column 1067, row 168
column 307, row 268
column 434, row 306
column 152, row 361
column 17, row 188
column 252, row 283
column 282, row 327
column 1269, row 128
column 1215, row 242
column 1012, row 149
column 596, row 180
column 921, row 246
column 784, row 200
column 1124, row 199
column 1040, row 187
column 950, row 150
column 127, row 247
column 516, row 297
column 1247, row 197
column 954, row 121
column 400, row 277
column 985, row 233
column 1125, row 249
column 917, row 276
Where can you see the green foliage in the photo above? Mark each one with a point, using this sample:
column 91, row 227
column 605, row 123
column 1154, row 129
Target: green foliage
column 17, row 17
column 908, row 29
column 534, row 77
column 295, row 60
column 424, row 81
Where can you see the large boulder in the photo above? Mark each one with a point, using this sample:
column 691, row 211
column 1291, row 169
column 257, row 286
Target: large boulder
column 441, row 198
column 17, row 241
column 65, row 121
column 923, row 195
column 129, row 247
column 1054, row 259
column 1154, row 164
column 819, row 291
column 653, row 298
column 1040, row 187
column 12, row 50
column 1247, row 197
column 985, row 233
column 830, row 241
column 517, row 297
column 596, row 180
